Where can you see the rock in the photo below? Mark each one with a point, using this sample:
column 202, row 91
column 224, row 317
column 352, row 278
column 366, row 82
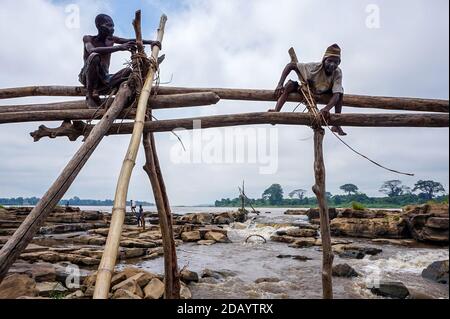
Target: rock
column 303, row 243
column 128, row 253
column 217, row 274
column 154, row 290
column 298, row 232
column 283, row 239
column 395, row 290
column 428, row 223
column 50, row 289
column 352, row 251
column 131, row 285
column 392, row 226
column 217, row 237
column 399, row 242
column 75, row 295
column 185, row 292
column 296, row 257
column 344, row 270
column 154, row 253
column 295, row 212
column 437, row 271
column 314, row 213
column 136, row 243
column 240, row 226
column 124, row 294
column 206, row 242
column 18, row 285
column 263, row 280
column 367, row 214
column 199, row 218
column 189, row 276
column 191, row 236
column 40, row 272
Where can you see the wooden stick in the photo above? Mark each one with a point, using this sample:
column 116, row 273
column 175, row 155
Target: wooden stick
column 157, row 102
column 28, row 229
column 172, row 277
column 358, row 101
column 320, row 191
column 355, row 120
column 109, row 257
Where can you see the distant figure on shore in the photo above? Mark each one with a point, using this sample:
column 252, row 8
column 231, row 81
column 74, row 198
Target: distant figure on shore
column 97, row 57
column 67, row 204
column 141, row 219
column 323, row 77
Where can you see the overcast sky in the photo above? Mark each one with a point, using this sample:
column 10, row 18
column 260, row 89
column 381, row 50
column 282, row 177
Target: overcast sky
column 238, row 44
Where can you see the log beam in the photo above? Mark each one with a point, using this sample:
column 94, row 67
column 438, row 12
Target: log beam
column 355, row 120
column 350, row 100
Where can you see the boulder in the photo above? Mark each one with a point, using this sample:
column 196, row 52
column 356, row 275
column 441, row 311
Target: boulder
column 124, row 294
column 428, row 223
column 40, row 272
column 154, row 289
column 437, row 271
column 284, row 239
column 18, row 285
column 344, row 270
column 264, row 280
column 217, row 237
column 188, row 276
column 392, row 226
column 298, row 232
column 185, row 292
column 191, row 236
column 131, row 285
column 50, row 289
column 303, row 242
column 314, row 213
column 206, row 242
column 295, row 212
column 75, row 295
column 395, row 290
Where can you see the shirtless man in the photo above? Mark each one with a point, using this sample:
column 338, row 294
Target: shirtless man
column 323, row 77
column 97, row 57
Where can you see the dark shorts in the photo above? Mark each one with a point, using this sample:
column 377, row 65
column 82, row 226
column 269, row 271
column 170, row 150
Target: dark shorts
column 297, row 88
column 102, row 73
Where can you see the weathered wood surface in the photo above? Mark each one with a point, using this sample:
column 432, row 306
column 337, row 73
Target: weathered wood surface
column 157, row 102
column 109, row 257
column 319, row 190
column 28, row 229
column 350, row 100
column 153, row 170
column 355, row 120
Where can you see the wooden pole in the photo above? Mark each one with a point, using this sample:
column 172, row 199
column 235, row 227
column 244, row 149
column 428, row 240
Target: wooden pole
column 73, row 131
column 320, row 191
column 350, row 100
column 157, row 102
column 153, row 169
column 27, row 230
column 109, row 257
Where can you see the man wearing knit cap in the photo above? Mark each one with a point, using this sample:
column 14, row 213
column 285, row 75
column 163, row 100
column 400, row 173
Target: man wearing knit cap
column 323, row 78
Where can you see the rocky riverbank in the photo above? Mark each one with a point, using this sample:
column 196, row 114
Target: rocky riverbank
column 62, row 259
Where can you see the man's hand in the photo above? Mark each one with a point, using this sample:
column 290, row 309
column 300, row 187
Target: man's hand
column 325, row 114
column 157, row 43
column 279, row 91
column 129, row 46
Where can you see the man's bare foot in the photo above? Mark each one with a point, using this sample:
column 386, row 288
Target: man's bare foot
column 93, row 102
column 272, row 111
column 338, row 130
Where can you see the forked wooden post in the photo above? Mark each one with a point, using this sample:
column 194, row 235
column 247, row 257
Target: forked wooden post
column 153, row 170
column 28, row 229
column 108, row 262
column 319, row 190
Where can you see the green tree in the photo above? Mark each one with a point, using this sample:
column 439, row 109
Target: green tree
column 299, row 193
column 274, row 194
column 349, row 189
column 428, row 188
column 394, row 188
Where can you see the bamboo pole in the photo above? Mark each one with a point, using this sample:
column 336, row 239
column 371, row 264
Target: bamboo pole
column 320, row 190
column 73, row 131
column 157, row 102
column 27, row 230
column 109, row 257
column 153, row 170
column 350, row 100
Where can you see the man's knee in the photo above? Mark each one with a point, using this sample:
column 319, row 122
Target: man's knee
column 291, row 86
